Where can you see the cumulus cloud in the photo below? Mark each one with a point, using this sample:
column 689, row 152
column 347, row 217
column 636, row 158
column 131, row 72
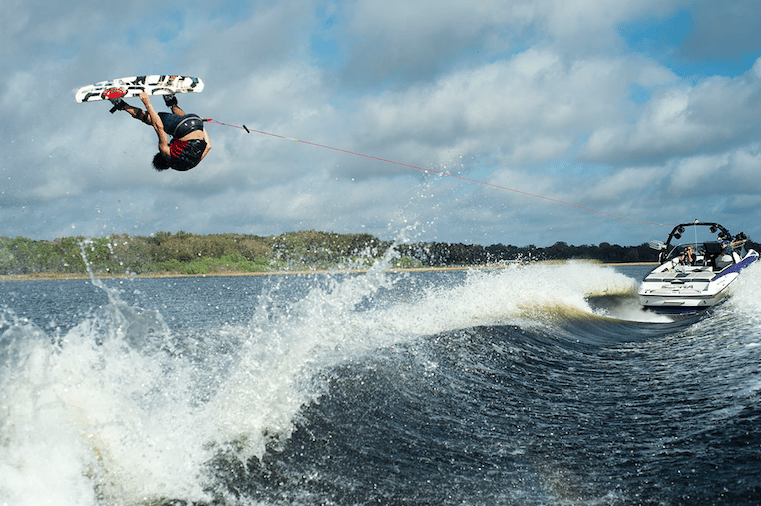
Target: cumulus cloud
column 680, row 120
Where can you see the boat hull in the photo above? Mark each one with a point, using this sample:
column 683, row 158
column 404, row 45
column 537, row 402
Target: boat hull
column 671, row 291
column 679, row 303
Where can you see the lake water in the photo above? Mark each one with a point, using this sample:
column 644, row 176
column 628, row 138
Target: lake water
column 502, row 387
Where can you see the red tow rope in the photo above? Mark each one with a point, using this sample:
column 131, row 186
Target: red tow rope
column 447, row 174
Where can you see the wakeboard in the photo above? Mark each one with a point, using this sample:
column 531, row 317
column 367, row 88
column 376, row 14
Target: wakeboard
column 126, row 87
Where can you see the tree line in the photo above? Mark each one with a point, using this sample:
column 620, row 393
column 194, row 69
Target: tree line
column 187, row 253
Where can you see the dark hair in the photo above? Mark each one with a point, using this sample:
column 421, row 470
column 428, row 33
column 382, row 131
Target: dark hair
column 161, row 162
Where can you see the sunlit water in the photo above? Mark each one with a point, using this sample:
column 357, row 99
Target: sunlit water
column 486, row 387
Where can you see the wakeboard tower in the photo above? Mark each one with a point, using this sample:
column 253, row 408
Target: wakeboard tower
column 126, row 87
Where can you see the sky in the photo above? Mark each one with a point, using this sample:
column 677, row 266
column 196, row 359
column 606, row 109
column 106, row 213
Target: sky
column 563, row 120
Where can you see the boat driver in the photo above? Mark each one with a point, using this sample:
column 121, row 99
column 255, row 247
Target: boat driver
column 688, row 257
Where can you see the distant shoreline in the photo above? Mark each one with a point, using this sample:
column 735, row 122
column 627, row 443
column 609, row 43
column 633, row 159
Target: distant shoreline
column 54, row 276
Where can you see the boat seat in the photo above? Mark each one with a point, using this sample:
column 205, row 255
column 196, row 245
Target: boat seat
column 712, row 248
column 723, row 261
column 712, row 251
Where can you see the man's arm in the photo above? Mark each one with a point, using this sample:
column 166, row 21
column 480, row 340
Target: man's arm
column 158, row 125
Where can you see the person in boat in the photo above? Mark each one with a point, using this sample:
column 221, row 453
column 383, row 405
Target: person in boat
column 190, row 143
column 688, row 257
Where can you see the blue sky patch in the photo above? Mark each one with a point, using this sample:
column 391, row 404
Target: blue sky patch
column 325, row 52
column 657, row 38
column 666, row 41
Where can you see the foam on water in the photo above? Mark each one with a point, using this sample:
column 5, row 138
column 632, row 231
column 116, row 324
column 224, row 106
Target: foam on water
column 744, row 292
column 134, row 413
column 105, row 410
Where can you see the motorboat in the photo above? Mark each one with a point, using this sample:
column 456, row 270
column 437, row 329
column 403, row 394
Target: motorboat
column 682, row 286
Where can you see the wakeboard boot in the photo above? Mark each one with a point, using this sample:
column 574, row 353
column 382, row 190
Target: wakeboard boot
column 170, row 100
column 119, row 105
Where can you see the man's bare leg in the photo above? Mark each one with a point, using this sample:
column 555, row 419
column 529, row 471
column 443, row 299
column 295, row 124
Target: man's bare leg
column 139, row 114
column 135, row 112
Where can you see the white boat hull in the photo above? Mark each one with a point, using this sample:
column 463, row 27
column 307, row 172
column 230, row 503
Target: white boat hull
column 686, row 298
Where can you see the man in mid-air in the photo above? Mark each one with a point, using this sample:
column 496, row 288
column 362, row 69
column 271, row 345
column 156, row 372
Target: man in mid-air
column 190, row 142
